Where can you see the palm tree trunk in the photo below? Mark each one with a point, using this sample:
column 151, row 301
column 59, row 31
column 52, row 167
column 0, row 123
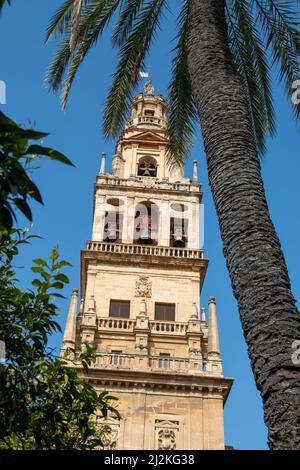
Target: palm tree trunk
column 252, row 249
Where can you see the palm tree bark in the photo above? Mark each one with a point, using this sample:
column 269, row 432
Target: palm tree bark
column 252, row 249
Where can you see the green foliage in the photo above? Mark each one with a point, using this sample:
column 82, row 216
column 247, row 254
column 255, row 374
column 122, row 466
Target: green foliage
column 182, row 109
column 16, row 159
column 44, row 404
column 260, row 32
column 250, row 60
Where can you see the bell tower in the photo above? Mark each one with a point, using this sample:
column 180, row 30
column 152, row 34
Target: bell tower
column 141, row 279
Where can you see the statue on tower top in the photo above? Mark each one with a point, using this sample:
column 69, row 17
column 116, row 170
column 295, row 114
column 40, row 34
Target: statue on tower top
column 149, row 88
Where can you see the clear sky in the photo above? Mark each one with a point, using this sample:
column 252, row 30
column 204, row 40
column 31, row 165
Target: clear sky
column 67, row 215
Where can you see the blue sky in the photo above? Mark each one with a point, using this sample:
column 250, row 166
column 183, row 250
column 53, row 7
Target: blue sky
column 67, row 215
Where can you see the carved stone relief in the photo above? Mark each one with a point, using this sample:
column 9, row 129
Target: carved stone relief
column 112, row 431
column 143, row 287
column 149, row 182
column 166, row 434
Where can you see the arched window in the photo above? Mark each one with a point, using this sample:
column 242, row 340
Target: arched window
column 147, row 167
column 146, row 224
column 113, row 221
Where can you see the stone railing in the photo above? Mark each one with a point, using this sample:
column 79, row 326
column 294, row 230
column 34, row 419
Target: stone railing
column 152, row 363
column 175, row 364
column 132, row 249
column 156, row 327
column 142, row 182
column 116, row 324
column 149, row 120
column 115, row 361
column 168, row 327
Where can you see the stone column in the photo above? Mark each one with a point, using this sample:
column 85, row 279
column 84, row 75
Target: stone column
column 70, row 330
column 103, row 162
column 134, row 159
column 99, row 218
column 195, row 171
column 142, row 332
column 164, row 224
column 88, row 323
column 214, row 362
column 193, row 226
column 194, row 335
column 128, row 220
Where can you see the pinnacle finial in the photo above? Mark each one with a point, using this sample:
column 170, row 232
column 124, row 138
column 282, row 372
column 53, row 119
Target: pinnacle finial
column 213, row 335
column 103, row 161
column 203, row 316
column 195, row 171
column 70, row 330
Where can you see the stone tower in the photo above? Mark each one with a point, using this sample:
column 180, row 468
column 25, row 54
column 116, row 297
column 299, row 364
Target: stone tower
column 141, row 279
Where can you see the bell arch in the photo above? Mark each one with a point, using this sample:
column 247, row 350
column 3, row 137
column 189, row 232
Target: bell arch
column 146, row 223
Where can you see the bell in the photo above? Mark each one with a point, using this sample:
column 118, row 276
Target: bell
column 147, row 172
column 144, row 234
column 178, row 235
column 112, row 231
column 112, row 234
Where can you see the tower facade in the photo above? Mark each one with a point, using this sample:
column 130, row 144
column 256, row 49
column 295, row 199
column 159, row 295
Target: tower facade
column 141, row 279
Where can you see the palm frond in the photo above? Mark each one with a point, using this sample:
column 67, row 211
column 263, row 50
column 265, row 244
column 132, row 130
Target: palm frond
column 250, row 60
column 280, row 23
column 60, row 22
column 182, row 109
column 66, row 17
column 94, row 18
column 125, row 21
column 75, row 22
column 131, row 59
column 57, row 68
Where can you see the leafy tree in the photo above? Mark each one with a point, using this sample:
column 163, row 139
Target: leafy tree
column 44, row 404
column 16, row 159
column 221, row 77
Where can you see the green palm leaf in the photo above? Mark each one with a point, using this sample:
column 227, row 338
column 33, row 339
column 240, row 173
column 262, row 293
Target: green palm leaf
column 93, row 19
column 131, row 59
column 125, row 21
column 182, row 109
column 60, row 22
column 280, row 23
column 251, row 62
column 257, row 31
